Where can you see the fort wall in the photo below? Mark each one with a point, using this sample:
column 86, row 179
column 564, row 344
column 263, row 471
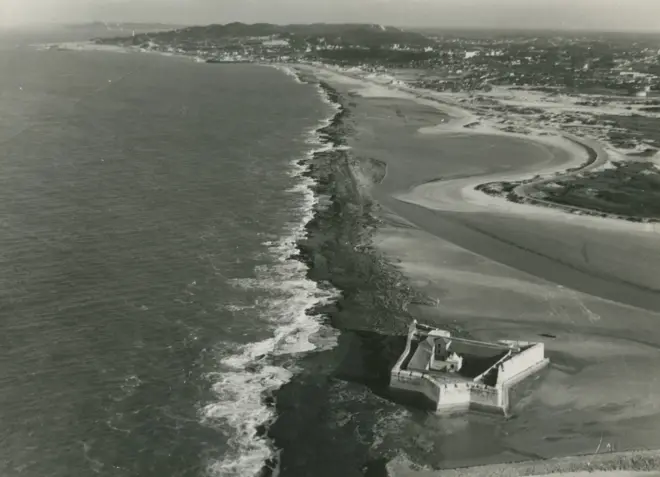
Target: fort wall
column 449, row 393
column 521, row 365
column 486, row 397
column 454, row 396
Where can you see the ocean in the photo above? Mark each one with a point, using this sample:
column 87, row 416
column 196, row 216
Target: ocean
column 152, row 296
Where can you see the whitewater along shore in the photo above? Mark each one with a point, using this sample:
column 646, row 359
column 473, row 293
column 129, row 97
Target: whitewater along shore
column 495, row 269
column 333, row 416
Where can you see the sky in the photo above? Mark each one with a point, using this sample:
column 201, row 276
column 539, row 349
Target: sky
column 545, row 14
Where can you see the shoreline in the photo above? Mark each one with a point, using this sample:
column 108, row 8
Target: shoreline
column 337, row 250
column 326, row 144
column 263, row 367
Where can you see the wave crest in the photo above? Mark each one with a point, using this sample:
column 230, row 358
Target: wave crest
column 248, row 375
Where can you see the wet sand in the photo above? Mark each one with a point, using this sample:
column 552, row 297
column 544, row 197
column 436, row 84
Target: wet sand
column 512, row 271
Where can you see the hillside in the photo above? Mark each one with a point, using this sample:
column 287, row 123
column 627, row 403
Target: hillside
column 298, row 36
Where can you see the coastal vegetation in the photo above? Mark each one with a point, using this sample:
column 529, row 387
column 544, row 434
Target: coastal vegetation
column 267, row 41
column 627, row 131
column 626, row 190
column 630, row 189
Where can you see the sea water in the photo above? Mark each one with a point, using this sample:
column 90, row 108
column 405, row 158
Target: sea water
column 149, row 213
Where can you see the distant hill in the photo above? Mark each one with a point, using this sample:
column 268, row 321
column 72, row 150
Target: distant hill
column 364, row 35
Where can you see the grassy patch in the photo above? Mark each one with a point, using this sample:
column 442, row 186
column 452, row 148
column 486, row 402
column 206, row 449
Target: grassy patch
column 637, row 128
column 631, row 189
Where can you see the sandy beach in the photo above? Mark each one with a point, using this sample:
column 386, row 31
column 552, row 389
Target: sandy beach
column 503, row 270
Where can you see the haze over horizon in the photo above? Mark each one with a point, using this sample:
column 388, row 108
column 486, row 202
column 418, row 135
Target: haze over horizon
column 640, row 15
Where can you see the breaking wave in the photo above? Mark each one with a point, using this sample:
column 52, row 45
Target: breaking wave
column 249, row 374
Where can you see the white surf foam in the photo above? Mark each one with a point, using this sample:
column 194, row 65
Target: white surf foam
column 248, row 373
column 238, row 308
column 326, row 99
column 289, row 71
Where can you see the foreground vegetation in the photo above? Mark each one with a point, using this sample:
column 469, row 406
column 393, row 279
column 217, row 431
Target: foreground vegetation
column 641, row 461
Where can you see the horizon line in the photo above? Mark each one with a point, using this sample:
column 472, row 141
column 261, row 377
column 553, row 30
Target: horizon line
column 452, row 28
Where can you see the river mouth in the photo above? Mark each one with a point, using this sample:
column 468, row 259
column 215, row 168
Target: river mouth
column 495, row 275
